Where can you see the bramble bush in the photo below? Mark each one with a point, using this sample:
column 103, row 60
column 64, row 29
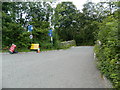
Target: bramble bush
column 107, row 50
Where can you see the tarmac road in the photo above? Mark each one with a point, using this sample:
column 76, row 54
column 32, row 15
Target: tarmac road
column 71, row 68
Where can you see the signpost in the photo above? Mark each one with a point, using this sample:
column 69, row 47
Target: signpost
column 33, row 46
column 30, row 28
column 51, row 36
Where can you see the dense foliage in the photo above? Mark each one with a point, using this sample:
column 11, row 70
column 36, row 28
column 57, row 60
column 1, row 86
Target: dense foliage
column 107, row 49
column 71, row 24
column 16, row 16
column 67, row 22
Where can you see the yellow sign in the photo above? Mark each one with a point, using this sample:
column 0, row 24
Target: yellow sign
column 34, row 46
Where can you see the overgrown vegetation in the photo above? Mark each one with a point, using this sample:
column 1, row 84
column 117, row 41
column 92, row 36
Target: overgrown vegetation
column 107, row 49
column 16, row 16
column 67, row 22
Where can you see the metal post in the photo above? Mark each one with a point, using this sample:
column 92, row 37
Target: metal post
column 51, row 39
column 52, row 42
column 31, row 39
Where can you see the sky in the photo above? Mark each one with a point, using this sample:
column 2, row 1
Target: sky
column 79, row 3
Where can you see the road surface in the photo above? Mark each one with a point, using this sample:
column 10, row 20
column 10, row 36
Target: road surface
column 71, row 68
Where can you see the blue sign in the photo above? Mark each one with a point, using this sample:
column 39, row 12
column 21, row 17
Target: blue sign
column 50, row 33
column 30, row 28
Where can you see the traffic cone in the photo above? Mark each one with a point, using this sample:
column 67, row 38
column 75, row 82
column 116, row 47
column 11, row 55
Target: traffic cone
column 38, row 51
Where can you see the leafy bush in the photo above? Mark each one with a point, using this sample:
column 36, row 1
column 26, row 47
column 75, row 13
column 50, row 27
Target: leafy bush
column 23, row 40
column 11, row 33
column 107, row 50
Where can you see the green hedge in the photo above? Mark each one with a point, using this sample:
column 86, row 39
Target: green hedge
column 107, row 50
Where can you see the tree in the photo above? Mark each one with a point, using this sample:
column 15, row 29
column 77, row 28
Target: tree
column 63, row 20
column 16, row 17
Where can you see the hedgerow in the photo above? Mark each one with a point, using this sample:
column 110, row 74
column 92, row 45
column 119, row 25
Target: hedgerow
column 107, row 50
